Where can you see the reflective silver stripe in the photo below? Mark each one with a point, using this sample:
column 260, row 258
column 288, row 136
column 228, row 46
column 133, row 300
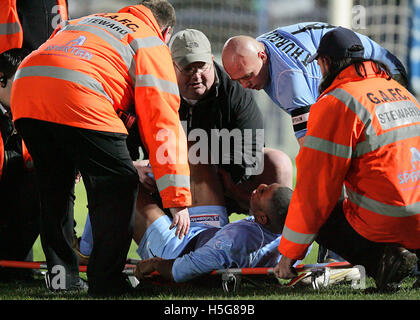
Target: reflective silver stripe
column 173, row 180
column 126, row 52
column 148, row 42
column 382, row 208
column 9, row 28
column 329, row 147
column 64, row 23
column 354, row 105
column 143, row 43
column 296, row 237
column 149, row 80
column 389, row 137
column 63, row 74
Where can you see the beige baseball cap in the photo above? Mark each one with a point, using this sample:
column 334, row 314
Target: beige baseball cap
column 190, row 45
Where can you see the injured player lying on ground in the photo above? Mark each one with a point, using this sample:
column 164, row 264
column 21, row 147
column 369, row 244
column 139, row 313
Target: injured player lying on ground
column 213, row 245
column 247, row 243
column 244, row 250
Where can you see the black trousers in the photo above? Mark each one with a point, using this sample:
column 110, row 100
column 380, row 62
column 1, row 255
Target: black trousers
column 19, row 215
column 111, row 183
column 339, row 236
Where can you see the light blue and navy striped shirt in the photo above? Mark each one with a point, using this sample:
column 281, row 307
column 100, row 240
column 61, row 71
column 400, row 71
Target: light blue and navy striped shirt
column 293, row 84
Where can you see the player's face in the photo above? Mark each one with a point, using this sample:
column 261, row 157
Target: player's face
column 251, row 71
column 260, row 198
column 195, row 80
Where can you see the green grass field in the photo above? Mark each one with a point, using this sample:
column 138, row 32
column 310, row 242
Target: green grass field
column 35, row 290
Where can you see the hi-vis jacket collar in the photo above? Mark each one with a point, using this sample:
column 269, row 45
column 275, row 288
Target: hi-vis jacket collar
column 145, row 15
column 349, row 74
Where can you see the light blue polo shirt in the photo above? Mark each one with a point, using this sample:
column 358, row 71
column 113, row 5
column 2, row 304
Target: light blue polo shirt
column 294, row 82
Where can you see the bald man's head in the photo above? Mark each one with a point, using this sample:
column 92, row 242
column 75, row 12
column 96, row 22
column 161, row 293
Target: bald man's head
column 245, row 59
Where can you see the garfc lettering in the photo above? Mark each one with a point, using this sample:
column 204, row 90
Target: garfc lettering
column 124, row 21
column 119, row 28
column 114, row 28
column 386, row 95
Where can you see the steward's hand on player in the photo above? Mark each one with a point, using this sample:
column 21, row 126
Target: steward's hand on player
column 145, row 173
column 181, row 219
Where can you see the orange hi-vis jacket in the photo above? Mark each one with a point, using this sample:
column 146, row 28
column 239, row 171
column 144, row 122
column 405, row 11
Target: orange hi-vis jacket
column 11, row 34
column 11, row 31
column 92, row 67
column 363, row 132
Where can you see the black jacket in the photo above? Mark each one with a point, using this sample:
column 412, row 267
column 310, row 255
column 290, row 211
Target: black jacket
column 227, row 106
column 19, row 200
column 38, row 19
column 13, row 161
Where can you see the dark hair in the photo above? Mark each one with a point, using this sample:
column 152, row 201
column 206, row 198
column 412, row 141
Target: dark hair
column 338, row 65
column 10, row 61
column 279, row 204
column 163, row 11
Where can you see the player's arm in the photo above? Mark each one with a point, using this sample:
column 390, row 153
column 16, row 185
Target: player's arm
column 145, row 267
column 300, row 116
column 296, row 94
column 374, row 51
column 215, row 254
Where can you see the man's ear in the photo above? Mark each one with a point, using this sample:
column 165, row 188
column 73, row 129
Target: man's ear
column 167, row 33
column 262, row 55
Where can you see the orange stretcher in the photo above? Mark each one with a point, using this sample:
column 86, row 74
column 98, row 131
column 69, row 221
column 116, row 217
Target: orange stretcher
column 232, row 277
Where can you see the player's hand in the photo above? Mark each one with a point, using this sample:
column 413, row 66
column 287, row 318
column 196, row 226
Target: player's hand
column 284, row 269
column 180, row 219
column 144, row 170
column 145, row 268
